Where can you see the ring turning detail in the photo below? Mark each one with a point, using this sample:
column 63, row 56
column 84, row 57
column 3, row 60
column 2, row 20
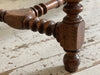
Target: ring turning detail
column 69, row 33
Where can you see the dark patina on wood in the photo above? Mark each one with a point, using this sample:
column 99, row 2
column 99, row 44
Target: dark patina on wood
column 69, row 33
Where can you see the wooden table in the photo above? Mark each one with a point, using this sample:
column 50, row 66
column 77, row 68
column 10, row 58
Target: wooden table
column 69, row 33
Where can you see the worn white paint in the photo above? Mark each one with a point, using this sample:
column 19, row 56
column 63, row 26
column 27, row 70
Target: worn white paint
column 28, row 53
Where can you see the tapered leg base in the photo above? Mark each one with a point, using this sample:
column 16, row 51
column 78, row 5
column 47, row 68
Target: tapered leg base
column 71, row 62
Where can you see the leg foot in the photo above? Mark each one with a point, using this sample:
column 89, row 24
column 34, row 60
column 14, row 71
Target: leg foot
column 71, row 61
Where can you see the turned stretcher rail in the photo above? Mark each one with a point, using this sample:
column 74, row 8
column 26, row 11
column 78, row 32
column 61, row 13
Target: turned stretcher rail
column 69, row 33
column 42, row 8
column 18, row 18
column 42, row 26
column 54, row 4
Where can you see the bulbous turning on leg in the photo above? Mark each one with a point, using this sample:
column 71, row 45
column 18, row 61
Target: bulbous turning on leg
column 71, row 61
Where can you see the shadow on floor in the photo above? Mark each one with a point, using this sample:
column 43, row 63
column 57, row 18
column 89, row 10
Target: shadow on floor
column 59, row 70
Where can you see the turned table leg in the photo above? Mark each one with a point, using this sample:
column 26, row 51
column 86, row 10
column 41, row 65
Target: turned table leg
column 70, row 34
column 71, row 61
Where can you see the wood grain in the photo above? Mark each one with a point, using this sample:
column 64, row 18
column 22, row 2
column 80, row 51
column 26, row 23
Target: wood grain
column 69, row 33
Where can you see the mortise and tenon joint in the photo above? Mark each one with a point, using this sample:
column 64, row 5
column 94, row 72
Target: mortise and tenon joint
column 69, row 33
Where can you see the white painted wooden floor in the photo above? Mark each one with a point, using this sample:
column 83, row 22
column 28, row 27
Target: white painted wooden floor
column 29, row 53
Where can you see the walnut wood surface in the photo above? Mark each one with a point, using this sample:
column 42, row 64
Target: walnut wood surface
column 15, row 18
column 54, row 4
column 42, row 25
column 69, row 33
column 70, row 36
column 71, row 61
column 42, row 8
column 18, row 18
